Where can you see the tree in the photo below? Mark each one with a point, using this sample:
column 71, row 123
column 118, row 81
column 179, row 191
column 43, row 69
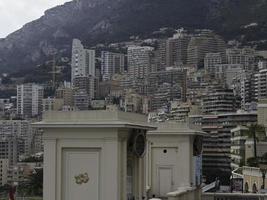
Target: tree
column 253, row 162
column 36, row 183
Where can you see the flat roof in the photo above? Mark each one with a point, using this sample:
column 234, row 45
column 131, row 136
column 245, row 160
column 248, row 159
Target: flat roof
column 94, row 119
column 174, row 128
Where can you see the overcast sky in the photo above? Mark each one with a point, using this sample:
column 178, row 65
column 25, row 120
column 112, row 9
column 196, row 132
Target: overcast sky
column 15, row 13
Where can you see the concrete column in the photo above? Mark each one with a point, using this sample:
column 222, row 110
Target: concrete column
column 112, row 176
column 50, row 169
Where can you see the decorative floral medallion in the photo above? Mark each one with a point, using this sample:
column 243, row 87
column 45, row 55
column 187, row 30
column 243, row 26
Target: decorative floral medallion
column 81, row 178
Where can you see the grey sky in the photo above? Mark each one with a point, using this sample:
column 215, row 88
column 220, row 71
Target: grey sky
column 15, row 13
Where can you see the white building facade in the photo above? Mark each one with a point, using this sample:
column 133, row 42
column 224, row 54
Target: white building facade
column 111, row 63
column 94, row 155
column 139, row 61
column 83, row 60
column 29, row 99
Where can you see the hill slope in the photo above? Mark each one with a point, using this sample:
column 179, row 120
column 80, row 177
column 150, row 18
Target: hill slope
column 95, row 21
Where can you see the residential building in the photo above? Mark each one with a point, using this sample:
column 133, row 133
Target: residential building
column 83, row 60
column 262, row 112
column 201, row 44
column 29, row 99
column 85, row 83
column 262, row 64
column 132, row 102
column 217, row 145
column 176, row 49
column 227, row 72
column 4, row 164
column 65, row 93
column 139, row 60
column 238, row 147
column 37, row 141
column 111, row 63
column 160, row 55
column 81, row 100
column 179, row 111
column 18, row 130
column 52, row 104
column 218, row 100
column 244, row 87
column 260, row 84
column 210, row 60
column 9, row 148
column 111, row 89
column 244, row 56
column 175, row 77
column 164, row 94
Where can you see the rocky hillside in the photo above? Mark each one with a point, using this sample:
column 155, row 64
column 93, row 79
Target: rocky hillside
column 95, row 21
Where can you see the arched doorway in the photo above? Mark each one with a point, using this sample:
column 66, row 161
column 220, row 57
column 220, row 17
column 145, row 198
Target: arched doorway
column 246, row 188
column 254, row 188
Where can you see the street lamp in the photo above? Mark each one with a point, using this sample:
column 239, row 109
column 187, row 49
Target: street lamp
column 263, row 168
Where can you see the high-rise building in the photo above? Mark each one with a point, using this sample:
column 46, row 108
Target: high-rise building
column 85, row 83
column 173, row 76
column 52, row 104
column 238, row 150
column 218, row 100
column 9, row 147
column 65, row 93
column 83, row 60
column 139, row 60
column 227, row 72
column 260, row 84
column 111, row 63
column 176, row 49
column 201, row 44
column 217, row 144
column 245, row 56
column 262, row 64
column 251, row 86
column 21, row 130
column 164, row 94
column 29, row 99
column 37, row 141
column 4, row 163
column 160, row 55
column 132, row 102
column 244, row 88
column 210, row 60
column 81, row 100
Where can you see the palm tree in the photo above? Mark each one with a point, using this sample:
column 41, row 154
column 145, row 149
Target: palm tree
column 36, row 183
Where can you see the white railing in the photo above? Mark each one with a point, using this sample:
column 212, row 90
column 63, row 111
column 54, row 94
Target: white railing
column 188, row 193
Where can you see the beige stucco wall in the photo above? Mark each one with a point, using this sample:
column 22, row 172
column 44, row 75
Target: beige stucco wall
column 171, row 137
column 252, row 176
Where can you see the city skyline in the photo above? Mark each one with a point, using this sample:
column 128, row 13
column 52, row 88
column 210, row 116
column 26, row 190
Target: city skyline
column 173, row 113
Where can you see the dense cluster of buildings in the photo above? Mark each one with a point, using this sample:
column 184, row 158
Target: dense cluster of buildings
column 190, row 77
